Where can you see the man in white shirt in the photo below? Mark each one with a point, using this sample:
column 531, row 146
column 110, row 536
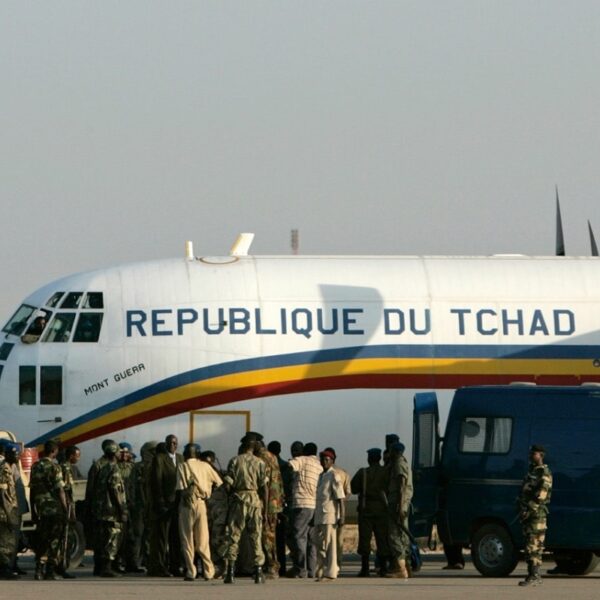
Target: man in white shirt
column 329, row 515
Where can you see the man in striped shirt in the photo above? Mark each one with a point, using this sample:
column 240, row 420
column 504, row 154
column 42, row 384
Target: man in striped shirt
column 307, row 469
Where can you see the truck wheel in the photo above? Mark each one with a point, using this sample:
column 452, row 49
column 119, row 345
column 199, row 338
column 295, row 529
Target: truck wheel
column 576, row 562
column 76, row 543
column 493, row 551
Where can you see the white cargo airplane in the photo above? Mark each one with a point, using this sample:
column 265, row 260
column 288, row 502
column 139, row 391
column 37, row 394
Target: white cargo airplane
column 319, row 348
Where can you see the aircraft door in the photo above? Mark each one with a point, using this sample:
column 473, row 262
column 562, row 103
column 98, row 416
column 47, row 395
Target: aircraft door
column 219, row 431
column 426, row 450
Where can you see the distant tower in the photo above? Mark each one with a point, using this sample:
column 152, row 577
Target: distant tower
column 295, row 241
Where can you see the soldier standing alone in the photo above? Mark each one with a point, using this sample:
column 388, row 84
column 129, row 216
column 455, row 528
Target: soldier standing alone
column 533, row 511
column 399, row 497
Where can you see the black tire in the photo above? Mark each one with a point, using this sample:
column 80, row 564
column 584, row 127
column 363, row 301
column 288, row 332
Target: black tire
column 493, row 551
column 76, row 543
column 576, row 562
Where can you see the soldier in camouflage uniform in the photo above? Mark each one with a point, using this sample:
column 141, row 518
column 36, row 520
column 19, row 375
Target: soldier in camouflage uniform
column 371, row 484
column 246, row 481
column 110, row 509
column 68, row 467
column 127, row 554
column 533, row 511
column 139, row 514
column 399, row 495
column 50, row 510
column 9, row 511
column 218, row 509
column 92, row 525
column 272, row 509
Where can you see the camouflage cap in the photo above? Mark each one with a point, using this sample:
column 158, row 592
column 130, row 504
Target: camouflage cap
column 110, row 448
column 106, row 443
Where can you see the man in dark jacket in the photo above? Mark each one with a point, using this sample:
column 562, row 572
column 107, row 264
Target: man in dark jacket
column 165, row 556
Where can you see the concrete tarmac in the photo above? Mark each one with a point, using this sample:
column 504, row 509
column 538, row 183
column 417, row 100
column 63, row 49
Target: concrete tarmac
column 431, row 582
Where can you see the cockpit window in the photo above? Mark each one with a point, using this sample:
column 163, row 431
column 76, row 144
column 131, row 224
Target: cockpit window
column 5, row 350
column 17, row 323
column 72, row 300
column 60, row 328
column 93, row 300
column 55, row 299
column 36, row 327
column 88, row 327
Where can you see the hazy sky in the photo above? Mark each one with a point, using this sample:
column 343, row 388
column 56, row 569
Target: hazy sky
column 127, row 127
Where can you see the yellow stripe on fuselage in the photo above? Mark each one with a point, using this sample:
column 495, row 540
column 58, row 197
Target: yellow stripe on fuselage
column 364, row 366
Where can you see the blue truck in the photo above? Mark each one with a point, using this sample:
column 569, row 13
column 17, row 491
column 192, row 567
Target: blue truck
column 467, row 482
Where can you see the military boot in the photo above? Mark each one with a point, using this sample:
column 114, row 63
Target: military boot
column 39, row 570
column 258, row 575
column 364, row 569
column 533, row 575
column 51, row 574
column 107, row 570
column 229, row 572
column 64, row 573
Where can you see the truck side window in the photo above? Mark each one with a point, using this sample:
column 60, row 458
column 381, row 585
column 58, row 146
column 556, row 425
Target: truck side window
column 487, row 435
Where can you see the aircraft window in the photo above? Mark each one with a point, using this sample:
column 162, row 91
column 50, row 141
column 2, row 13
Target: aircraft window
column 36, row 327
column 5, row 350
column 72, row 300
column 51, row 385
column 26, row 385
column 93, row 300
column 55, row 299
column 17, row 323
column 487, row 435
column 88, row 327
column 60, row 328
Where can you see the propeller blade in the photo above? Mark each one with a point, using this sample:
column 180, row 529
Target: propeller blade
column 592, row 240
column 560, row 241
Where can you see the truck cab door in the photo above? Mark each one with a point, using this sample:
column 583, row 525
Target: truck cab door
column 426, row 459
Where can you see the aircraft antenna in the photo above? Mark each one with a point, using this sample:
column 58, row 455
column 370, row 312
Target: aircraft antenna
column 242, row 244
column 560, row 241
column 189, row 250
column 295, row 241
column 592, row 240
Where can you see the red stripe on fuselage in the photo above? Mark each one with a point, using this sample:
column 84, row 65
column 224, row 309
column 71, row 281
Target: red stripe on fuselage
column 322, row 384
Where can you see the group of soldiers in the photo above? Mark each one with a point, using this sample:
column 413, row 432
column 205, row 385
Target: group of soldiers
column 177, row 514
